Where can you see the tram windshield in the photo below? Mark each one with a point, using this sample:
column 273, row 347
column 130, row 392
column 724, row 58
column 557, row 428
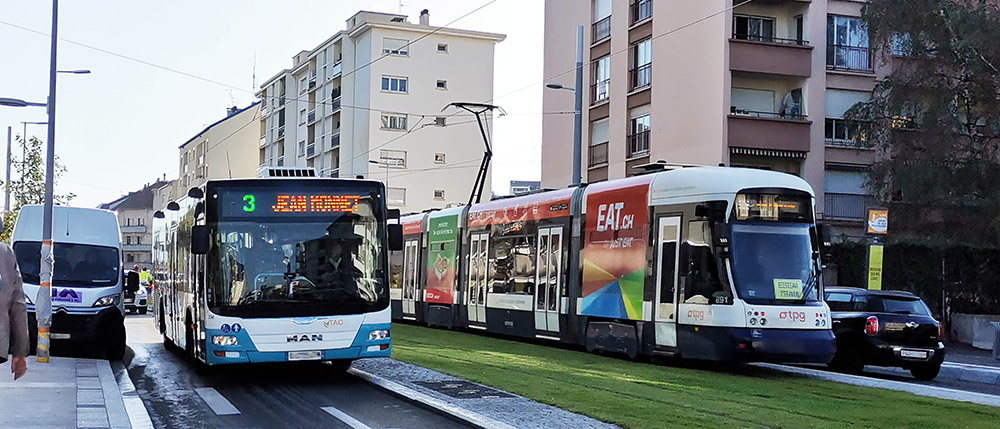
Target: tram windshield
column 772, row 263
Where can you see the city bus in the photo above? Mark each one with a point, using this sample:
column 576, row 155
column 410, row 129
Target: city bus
column 276, row 269
column 711, row 263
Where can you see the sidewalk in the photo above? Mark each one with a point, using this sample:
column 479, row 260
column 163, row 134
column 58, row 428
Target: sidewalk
column 475, row 404
column 64, row 393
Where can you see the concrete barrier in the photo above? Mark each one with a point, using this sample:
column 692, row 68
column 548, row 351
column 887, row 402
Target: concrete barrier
column 974, row 329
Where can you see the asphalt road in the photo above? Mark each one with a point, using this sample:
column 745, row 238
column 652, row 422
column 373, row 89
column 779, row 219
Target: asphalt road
column 269, row 396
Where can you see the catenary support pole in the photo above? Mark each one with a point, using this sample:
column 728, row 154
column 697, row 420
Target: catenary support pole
column 6, row 184
column 43, row 311
column 578, row 111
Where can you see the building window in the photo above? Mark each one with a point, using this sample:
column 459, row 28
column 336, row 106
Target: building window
column 847, row 44
column 439, row 158
column 392, row 158
column 602, row 20
column 599, row 142
column 440, row 121
column 395, row 46
column 638, row 139
column 442, row 84
column 138, row 239
column 439, row 194
column 394, row 84
column 760, row 29
column 129, row 257
column 602, row 79
column 392, row 121
column 641, row 10
column 642, row 63
column 302, row 148
column 302, row 117
column 443, row 48
column 128, row 220
column 396, row 196
column 841, row 132
column 128, row 239
column 140, row 221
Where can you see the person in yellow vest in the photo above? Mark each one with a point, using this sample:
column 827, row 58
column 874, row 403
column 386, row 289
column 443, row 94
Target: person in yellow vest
column 146, row 280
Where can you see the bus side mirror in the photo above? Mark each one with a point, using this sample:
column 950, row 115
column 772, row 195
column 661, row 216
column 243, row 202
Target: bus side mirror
column 723, row 234
column 199, row 239
column 395, row 236
column 825, row 236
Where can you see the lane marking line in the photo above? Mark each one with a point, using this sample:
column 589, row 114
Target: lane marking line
column 347, row 419
column 218, row 403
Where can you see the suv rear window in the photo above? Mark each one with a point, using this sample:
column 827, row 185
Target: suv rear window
column 898, row 305
column 839, row 301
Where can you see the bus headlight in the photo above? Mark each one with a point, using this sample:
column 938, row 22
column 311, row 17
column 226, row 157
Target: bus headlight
column 109, row 301
column 225, row 340
column 379, row 334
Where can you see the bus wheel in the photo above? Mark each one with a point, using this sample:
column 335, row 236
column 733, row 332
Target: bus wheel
column 189, row 337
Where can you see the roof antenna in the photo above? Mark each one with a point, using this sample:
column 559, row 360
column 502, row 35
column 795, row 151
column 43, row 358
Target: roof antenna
column 253, row 74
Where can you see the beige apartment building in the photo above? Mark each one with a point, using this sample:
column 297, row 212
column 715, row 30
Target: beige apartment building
column 135, row 220
column 224, row 149
column 368, row 101
column 762, row 85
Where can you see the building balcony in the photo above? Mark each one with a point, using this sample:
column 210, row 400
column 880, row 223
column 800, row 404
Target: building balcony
column 849, row 58
column 137, row 248
column 311, row 116
column 133, row 229
column 311, row 150
column 640, row 10
column 771, row 55
column 845, row 207
column 598, row 154
column 601, row 30
column 337, row 70
column 641, row 77
column 766, row 130
column 638, row 144
column 281, row 133
column 335, row 141
column 263, row 141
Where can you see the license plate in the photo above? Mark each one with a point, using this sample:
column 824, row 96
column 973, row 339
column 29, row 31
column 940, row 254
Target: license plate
column 58, row 336
column 914, row 354
column 306, row 355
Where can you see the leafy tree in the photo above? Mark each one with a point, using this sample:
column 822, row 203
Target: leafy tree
column 934, row 120
column 29, row 187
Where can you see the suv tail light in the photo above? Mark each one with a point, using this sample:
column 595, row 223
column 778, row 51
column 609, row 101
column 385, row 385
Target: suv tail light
column 871, row 326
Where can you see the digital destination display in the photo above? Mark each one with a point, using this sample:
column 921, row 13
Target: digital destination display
column 769, row 207
column 275, row 202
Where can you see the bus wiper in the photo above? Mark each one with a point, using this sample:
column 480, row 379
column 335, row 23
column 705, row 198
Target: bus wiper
column 810, row 284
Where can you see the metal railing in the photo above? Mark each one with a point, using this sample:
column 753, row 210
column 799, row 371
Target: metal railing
column 335, row 141
column 281, row 100
column 638, row 144
column 311, row 150
column 641, row 76
column 311, row 116
column 337, row 69
column 769, row 39
column 640, row 10
column 599, row 154
column 602, row 30
column 793, row 115
column 846, row 207
column 263, row 141
column 599, row 90
column 335, row 106
column 851, row 58
column 281, row 132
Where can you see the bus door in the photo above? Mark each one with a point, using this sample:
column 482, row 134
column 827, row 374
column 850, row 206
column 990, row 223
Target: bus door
column 665, row 317
column 478, row 277
column 548, row 279
column 411, row 252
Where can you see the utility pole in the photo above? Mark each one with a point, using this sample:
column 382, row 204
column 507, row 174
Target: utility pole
column 44, row 298
column 6, row 202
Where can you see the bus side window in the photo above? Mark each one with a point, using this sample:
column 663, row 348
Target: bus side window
column 701, row 276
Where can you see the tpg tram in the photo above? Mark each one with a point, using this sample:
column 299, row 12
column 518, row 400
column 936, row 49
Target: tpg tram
column 702, row 262
column 275, row 269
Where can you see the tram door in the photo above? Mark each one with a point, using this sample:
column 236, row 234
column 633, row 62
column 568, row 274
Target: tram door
column 667, row 243
column 478, row 277
column 411, row 252
column 548, row 279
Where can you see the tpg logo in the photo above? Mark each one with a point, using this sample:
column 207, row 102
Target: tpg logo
column 795, row 316
column 610, row 217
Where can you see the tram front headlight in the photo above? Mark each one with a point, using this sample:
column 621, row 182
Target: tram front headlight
column 225, row 340
column 109, row 301
column 378, row 334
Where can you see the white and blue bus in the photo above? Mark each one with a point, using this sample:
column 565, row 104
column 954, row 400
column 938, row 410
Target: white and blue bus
column 275, row 269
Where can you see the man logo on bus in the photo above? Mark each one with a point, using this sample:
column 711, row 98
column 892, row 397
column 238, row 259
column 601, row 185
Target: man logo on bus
column 297, row 338
column 610, row 218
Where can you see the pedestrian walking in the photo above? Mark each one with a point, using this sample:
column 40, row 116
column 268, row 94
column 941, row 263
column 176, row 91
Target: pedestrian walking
column 13, row 314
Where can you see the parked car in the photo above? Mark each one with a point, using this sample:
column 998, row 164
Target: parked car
column 884, row 328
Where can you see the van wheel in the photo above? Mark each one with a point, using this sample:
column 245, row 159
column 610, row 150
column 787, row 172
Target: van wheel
column 115, row 348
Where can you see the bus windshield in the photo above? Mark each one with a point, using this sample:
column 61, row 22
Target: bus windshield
column 77, row 265
column 331, row 265
column 772, row 263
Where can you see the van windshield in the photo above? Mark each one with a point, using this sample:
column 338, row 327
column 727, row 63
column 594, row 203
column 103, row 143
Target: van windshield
column 79, row 265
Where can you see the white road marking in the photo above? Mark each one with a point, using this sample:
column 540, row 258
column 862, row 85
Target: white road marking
column 348, row 420
column 218, row 403
column 970, row 365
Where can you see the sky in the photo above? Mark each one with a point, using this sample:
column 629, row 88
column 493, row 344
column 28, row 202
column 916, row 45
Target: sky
column 119, row 127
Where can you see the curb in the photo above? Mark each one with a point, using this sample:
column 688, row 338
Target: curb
column 412, row 395
column 917, row 389
column 138, row 416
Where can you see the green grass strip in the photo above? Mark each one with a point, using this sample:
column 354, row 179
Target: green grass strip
column 643, row 395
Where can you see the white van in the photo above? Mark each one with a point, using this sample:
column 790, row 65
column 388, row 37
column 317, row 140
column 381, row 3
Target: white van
column 87, row 284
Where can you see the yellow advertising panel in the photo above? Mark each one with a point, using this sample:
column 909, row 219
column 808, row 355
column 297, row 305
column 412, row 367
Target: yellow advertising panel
column 878, row 221
column 875, row 267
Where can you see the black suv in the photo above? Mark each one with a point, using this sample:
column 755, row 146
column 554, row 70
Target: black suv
column 884, row 328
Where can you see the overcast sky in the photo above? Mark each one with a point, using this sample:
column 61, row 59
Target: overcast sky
column 119, row 127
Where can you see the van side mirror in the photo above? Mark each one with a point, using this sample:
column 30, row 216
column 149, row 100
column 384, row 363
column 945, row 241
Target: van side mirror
column 199, row 239
column 132, row 281
column 395, row 236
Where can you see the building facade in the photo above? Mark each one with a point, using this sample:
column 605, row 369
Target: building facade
column 368, row 101
column 762, row 85
column 135, row 219
column 224, row 149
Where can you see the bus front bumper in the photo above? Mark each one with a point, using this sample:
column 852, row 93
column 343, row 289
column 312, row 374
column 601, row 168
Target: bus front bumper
column 757, row 345
column 246, row 352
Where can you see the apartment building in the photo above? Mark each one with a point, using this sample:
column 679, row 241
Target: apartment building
column 135, row 219
column 368, row 102
column 762, row 85
column 224, row 149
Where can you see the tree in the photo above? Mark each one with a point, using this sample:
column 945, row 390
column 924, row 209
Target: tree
column 935, row 120
column 29, row 188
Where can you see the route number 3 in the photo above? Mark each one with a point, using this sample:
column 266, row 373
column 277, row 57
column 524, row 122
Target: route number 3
column 249, row 203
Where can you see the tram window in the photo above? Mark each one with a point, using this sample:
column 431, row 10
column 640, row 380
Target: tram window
column 668, row 258
column 513, row 267
column 702, row 275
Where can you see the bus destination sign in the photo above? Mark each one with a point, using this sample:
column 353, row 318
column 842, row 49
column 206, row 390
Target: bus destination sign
column 256, row 202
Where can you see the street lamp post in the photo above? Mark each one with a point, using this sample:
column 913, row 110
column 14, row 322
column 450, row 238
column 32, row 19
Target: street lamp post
column 578, row 107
